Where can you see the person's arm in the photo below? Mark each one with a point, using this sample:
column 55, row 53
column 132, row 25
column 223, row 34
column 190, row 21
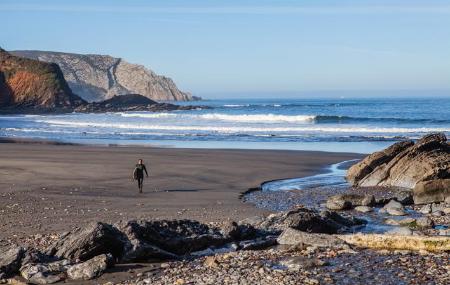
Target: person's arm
column 145, row 169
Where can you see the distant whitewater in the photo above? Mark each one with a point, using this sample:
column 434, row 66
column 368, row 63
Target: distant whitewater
column 358, row 125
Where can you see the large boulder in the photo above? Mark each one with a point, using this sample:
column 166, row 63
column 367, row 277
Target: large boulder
column 431, row 191
column 169, row 238
column 307, row 220
column 404, row 164
column 10, row 260
column 296, row 237
column 90, row 269
column 45, row 273
column 83, row 244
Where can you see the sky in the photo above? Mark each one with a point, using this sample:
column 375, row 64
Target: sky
column 250, row 47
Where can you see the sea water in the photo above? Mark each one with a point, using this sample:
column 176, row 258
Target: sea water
column 351, row 125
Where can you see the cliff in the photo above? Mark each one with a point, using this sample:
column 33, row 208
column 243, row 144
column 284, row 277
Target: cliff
column 100, row 77
column 31, row 84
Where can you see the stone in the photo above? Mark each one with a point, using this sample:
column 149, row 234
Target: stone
column 405, row 197
column 426, row 209
column 258, row 244
column 409, row 222
column 405, row 164
column 10, row 260
column 403, row 231
column 298, row 262
column 431, row 191
column 84, row 244
column 91, row 268
column 394, row 208
column 294, row 237
column 211, row 262
column 45, row 273
column 363, row 209
column 424, row 222
column 438, row 213
column 347, row 201
column 169, row 238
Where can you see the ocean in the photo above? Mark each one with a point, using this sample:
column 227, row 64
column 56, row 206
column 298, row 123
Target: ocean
column 341, row 124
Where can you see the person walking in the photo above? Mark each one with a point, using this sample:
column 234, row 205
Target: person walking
column 138, row 174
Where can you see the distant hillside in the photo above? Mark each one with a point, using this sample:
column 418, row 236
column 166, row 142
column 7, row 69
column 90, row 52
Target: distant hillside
column 27, row 83
column 99, row 77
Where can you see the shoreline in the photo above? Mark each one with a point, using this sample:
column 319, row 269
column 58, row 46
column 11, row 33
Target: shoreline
column 48, row 188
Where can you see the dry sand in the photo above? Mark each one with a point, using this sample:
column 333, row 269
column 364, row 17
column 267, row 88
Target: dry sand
column 53, row 188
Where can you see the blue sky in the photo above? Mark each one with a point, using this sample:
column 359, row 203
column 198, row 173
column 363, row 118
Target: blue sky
column 238, row 47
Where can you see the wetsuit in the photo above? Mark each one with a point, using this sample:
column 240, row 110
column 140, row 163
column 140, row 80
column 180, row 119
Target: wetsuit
column 139, row 175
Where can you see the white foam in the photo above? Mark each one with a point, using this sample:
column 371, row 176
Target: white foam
column 258, row 118
column 242, row 129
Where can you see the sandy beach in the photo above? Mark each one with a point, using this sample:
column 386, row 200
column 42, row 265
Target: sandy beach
column 48, row 188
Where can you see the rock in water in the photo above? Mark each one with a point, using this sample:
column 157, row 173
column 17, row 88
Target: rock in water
column 90, row 269
column 394, row 208
column 83, row 244
column 347, row 201
column 406, row 164
column 431, row 191
column 10, row 259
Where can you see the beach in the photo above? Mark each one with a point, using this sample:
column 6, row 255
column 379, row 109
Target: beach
column 52, row 188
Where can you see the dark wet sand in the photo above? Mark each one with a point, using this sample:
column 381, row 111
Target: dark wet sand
column 52, row 188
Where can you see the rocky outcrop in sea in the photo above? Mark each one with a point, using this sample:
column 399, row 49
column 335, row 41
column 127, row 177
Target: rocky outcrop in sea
column 423, row 166
column 100, row 77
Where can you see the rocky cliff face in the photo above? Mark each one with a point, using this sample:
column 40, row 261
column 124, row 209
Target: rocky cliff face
column 100, row 77
column 27, row 83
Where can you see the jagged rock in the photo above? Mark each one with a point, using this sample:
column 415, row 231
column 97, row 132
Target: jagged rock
column 100, row 77
column 347, row 201
column 305, row 219
column 45, row 273
column 239, row 231
column 10, row 259
column 363, row 209
column 360, row 170
column 175, row 237
column 393, row 208
column 90, row 269
column 424, row 222
column 404, row 164
column 131, row 102
column 293, row 237
column 426, row 209
column 431, row 191
column 83, row 244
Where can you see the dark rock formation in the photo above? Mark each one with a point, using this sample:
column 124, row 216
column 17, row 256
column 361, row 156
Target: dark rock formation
column 27, row 84
column 407, row 164
column 90, row 269
column 431, row 191
column 10, row 259
column 131, row 102
column 100, row 77
column 83, row 244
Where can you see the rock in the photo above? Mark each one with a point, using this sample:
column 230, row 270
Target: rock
column 84, row 244
column 400, row 231
column 99, row 77
column 347, row 201
column 10, row 259
column 424, row 222
column 405, row 197
column 211, row 262
column 170, row 237
column 426, row 209
column 409, row 222
column 298, row 262
column 404, row 164
column 239, row 231
column 258, row 244
column 384, row 241
column 431, row 191
column 363, row 209
column 337, row 204
column 90, row 269
column 45, row 273
column 294, row 237
column 394, row 208
column 438, row 213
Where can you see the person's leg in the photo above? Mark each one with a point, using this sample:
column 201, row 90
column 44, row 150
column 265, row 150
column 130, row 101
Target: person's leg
column 141, row 180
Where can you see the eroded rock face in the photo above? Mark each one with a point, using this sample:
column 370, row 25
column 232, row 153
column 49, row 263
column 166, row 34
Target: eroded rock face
column 10, row 259
column 431, row 191
column 90, row 269
column 406, row 164
column 83, row 244
column 99, row 77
